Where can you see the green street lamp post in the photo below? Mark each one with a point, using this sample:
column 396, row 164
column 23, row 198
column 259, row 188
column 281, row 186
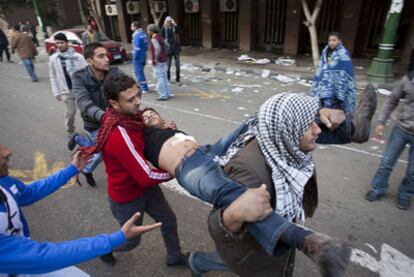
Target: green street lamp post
column 39, row 18
column 380, row 70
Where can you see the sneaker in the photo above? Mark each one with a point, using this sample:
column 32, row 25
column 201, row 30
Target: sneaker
column 35, row 80
column 372, row 196
column 89, row 179
column 72, row 141
column 181, row 261
column 162, row 99
column 108, row 259
column 331, row 256
column 145, row 91
column 403, row 204
column 363, row 114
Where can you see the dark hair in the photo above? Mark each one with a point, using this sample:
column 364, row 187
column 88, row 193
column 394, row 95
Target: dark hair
column 90, row 48
column 16, row 27
column 335, row 34
column 88, row 24
column 61, row 36
column 149, row 109
column 135, row 23
column 115, row 83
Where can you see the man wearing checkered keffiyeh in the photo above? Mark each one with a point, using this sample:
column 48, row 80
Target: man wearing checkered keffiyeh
column 278, row 126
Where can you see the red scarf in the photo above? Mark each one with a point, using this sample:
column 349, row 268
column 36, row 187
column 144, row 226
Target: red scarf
column 110, row 120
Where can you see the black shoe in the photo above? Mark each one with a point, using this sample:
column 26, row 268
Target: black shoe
column 89, row 179
column 403, row 204
column 331, row 256
column 72, row 141
column 363, row 114
column 181, row 261
column 108, row 259
column 162, row 99
column 372, row 196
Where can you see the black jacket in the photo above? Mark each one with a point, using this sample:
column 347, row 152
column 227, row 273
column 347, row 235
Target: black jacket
column 3, row 38
column 89, row 96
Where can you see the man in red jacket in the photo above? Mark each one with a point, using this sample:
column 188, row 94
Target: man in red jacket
column 132, row 181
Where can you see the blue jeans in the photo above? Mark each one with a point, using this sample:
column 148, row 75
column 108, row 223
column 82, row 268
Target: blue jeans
column 160, row 70
column 396, row 144
column 204, row 262
column 28, row 64
column 202, row 177
column 89, row 141
column 139, row 73
column 341, row 135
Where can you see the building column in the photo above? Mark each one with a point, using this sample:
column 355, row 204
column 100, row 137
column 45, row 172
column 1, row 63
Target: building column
column 144, row 12
column 122, row 23
column 207, row 23
column 351, row 12
column 247, row 16
column 292, row 27
column 175, row 10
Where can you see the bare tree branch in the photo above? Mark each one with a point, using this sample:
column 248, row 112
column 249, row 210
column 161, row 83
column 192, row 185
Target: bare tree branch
column 316, row 10
column 310, row 23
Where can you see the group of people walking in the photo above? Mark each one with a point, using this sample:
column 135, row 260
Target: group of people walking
column 250, row 223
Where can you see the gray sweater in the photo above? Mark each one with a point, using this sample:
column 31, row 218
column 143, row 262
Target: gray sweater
column 402, row 95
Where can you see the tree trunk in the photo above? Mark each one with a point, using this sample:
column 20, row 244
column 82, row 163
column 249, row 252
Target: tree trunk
column 82, row 12
column 98, row 19
column 314, row 44
column 156, row 17
column 311, row 24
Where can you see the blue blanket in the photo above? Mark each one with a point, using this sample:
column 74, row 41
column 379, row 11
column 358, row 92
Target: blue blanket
column 334, row 82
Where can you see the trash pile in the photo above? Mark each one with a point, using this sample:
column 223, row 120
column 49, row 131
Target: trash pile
column 246, row 58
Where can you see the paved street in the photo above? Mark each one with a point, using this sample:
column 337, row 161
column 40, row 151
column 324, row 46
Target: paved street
column 208, row 105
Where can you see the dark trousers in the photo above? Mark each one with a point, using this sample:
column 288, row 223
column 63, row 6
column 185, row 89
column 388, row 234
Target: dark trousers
column 411, row 64
column 177, row 66
column 5, row 48
column 156, row 206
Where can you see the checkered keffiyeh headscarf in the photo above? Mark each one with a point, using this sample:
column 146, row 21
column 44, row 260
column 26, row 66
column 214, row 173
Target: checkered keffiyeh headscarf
column 282, row 121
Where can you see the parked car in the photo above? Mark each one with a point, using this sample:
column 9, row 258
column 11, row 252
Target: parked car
column 115, row 50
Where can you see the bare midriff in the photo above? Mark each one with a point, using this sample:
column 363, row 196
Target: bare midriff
column 174, row 150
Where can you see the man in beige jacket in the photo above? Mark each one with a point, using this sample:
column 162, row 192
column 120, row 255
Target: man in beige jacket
column 26, row 51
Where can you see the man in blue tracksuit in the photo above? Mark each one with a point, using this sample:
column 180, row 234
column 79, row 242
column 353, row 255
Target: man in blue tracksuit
column 139, row 54
column 21, row 255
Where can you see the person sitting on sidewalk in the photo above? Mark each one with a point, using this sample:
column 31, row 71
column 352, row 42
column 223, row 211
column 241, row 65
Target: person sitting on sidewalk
column 334, row 85
column 401, row 135
column 19, row 254
column 313, row 244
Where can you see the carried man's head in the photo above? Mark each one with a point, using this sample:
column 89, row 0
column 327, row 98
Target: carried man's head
column 96, row 56
column 122, row 93
column 152, row 118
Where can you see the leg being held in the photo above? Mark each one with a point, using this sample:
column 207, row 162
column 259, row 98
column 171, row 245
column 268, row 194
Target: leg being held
column 363, row 114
